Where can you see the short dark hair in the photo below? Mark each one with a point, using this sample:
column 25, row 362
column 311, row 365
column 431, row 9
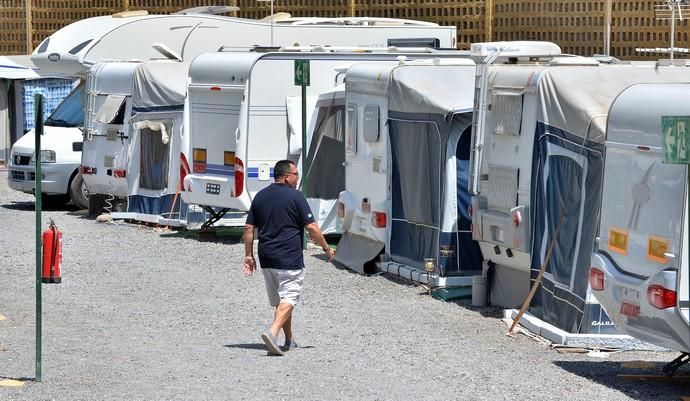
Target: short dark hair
column 282, row 168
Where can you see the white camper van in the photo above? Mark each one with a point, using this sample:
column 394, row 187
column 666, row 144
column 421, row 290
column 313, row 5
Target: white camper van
column 60, row 145
column 537, row 170
column 244, row 116
column 20, row 80
column 139, row 36
column 640, row 266
column 133, row 137
column 408, row 142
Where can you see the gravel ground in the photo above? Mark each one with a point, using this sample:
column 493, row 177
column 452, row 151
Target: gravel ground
column 144, row 313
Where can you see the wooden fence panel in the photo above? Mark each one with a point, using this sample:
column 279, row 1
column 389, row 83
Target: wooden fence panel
column 577, row 26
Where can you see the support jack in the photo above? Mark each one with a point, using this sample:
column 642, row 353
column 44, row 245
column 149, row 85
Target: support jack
column 671, row 367
column 215, row 216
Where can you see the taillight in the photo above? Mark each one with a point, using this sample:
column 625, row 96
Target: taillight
column 85, row 170
column 378, row 219
column 341, row 210
column 184, row 170
column 517, row 218
column 596, row 279
column 239, row 177
column 120, row 173
column 199, row 160
column 661, row 297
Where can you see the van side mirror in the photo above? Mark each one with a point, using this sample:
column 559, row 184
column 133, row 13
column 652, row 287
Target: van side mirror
column 77, row 146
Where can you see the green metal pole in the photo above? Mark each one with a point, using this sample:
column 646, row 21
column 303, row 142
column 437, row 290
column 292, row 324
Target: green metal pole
column 38, row 101
column 304, row 148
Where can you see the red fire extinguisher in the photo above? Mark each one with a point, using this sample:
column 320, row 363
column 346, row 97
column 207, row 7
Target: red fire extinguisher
column 52, row 254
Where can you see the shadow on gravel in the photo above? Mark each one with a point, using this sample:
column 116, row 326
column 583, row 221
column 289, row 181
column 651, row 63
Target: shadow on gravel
column 221, row 236
column 20, row 379
column 259, row 346
column 639, row 380
column 247, row 346
column 31, row 206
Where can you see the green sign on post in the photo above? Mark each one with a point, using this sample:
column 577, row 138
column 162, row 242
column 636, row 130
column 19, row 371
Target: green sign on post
column 302, row 79
column 676, row 144
column 302, row 72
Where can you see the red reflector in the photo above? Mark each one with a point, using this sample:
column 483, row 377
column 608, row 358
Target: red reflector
column 85, row 170
column 341, row 210
column 661, row 297
column 184, row 170
column 596, row 279
column 631, row 310
column 239, row 177
column 215, row 88
column 378, row 219
column 120, row 173
column 199, row 167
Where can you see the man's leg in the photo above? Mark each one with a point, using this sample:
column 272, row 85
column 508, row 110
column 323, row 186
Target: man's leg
column 281, row 317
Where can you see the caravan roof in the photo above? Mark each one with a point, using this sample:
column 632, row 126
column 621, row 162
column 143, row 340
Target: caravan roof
column 184, row 36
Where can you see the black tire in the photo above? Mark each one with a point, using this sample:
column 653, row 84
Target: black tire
column 78, row 192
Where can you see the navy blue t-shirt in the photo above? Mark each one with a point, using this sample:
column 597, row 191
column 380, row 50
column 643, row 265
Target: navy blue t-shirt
column 280, row 213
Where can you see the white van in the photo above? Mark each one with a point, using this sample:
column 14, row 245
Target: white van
column 60, row 155
column 640, row 265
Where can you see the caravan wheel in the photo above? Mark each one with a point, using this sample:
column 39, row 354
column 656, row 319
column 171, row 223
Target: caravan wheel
column 78, row 192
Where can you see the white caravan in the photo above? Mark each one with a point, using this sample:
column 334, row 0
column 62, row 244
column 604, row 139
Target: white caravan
column 536, row 175
column 133, row 137
column 640, row 266
column 140, row 37
column 245, row 115
column 408, row 142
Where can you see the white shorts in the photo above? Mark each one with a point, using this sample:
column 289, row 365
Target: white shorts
column 283, row 286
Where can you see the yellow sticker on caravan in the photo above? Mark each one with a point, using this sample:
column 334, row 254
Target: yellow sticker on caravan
column 618, row 240
column 656, row 248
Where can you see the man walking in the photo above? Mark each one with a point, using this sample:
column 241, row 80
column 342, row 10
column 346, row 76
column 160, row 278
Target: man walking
column 281, row 214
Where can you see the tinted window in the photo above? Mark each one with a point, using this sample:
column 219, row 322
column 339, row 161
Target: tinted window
column 69, row 113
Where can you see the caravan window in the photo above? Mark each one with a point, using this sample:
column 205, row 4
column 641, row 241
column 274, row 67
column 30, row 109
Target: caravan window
column 371, row 123
column 351, row 131
column 154, row 137
column 112, row 110
column 506, row 108
column 330, row 123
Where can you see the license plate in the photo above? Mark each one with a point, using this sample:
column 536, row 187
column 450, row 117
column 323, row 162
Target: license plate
column 628, row 309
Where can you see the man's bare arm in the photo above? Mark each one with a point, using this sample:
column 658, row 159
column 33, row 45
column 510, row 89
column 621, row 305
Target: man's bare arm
column 316, row 235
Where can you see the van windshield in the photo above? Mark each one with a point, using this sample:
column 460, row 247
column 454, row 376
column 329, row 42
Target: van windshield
column 69, row 113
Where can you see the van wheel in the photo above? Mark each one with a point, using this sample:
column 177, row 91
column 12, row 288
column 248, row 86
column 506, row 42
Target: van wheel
column 78, row 192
